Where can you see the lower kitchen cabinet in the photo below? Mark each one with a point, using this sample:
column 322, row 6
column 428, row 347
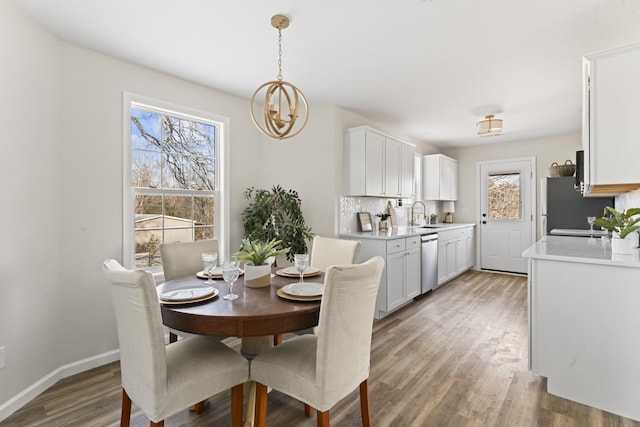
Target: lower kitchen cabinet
column 401, row 276
column 455, row 252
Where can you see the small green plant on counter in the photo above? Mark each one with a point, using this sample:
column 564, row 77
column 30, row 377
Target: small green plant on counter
column 621, row 223
column 383, row 216
column 258, row 252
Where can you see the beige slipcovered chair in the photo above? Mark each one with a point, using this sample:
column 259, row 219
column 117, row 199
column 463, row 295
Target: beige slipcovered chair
column 163, row 380
column 181, row 259
column 322, row 369
column 327, row 251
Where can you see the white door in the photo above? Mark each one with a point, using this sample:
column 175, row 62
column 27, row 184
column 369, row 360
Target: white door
column 507, row 203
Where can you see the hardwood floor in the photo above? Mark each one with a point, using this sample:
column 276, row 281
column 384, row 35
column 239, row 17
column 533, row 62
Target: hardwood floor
column 456, row 357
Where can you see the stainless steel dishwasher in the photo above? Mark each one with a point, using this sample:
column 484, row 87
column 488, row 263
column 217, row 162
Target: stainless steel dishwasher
column 429, row 264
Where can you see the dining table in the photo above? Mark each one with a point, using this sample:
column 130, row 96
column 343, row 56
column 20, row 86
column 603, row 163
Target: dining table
column 256, row 316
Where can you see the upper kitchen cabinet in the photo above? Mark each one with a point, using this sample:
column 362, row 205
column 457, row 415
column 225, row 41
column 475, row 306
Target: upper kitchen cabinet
column 376, row 164
column 610, row 131
column 440, row 177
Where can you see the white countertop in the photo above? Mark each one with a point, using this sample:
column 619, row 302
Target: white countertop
column 399, row 232
column 582, row 250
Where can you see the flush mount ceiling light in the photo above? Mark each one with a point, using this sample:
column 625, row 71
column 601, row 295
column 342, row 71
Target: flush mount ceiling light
column 490, row 126
column 279, row 115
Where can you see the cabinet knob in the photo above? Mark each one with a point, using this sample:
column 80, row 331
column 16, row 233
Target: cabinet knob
column 484, row 222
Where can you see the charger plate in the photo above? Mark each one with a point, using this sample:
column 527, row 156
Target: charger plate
column 283, row 294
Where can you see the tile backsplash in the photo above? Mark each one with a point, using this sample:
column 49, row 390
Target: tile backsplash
column 350, row 206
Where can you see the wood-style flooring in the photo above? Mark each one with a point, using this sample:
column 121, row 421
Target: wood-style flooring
column 455, row 357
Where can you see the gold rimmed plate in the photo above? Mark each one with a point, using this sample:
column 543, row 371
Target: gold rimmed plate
column 292, row 272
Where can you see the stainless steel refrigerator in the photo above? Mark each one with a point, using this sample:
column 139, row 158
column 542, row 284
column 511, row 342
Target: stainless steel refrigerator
column 564, row 211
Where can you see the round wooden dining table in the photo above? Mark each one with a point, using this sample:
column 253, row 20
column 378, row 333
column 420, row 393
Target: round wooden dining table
column 256, row 316
column 257, row 312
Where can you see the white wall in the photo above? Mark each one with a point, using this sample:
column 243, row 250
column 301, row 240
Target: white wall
column 30, row 255
column 546, row 150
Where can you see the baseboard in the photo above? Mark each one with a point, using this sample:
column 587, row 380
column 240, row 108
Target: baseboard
column 18, row 401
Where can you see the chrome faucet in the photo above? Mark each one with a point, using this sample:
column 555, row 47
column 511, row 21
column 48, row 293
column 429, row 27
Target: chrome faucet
column 424, row 212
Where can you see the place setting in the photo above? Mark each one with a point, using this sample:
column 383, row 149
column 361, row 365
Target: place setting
column 185, row 294
column 210, row 270
column 301, row 291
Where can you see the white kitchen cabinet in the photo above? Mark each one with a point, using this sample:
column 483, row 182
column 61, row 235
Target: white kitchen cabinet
column 455, row 252
column 610, row 131
column 400, row 281
column 440, row 177
column 376, row 164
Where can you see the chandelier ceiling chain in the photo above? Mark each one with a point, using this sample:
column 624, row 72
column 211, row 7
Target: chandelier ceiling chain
column 282, row 100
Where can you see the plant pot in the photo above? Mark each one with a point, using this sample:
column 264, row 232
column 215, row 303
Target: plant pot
column 624, row 246
column 383, row 225
column 257, row 276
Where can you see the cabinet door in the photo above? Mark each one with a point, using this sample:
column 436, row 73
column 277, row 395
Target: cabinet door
column 451, row 259
column 395, row 280
column 412, row 273
column 374, row 164
column 449, row 179
column 431, row 177
column 470, row 250
column 461, row 255
column 442, row 262
column 407, row 188
column 392, row 167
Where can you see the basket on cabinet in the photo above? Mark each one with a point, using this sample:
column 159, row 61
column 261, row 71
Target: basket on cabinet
column 568, row 169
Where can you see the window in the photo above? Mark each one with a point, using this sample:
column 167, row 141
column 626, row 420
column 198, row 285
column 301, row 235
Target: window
column 173, row 181
column 504, row 196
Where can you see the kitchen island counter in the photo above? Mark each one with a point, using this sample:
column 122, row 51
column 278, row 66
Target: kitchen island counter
column 580, row 250
column 584, row 322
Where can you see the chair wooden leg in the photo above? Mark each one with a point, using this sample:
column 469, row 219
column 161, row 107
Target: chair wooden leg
column 236, row 406
column 277, row 339
column 125, row 415
column 199, row 407
column 260, row 419
column 172, row 337
column 364, row 404
column 308, row 410
column 323, row 419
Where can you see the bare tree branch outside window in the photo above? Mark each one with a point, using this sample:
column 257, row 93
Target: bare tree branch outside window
column 173, row 179
column 504, row 196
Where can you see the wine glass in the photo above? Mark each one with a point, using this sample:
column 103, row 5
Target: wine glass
column 301, row 262
column 591, row 220
column 230, row 272
column 209, row 261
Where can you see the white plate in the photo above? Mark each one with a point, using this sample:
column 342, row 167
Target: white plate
column 216, row 273
column 186, row 294
column 294, row 271
column 304, row 289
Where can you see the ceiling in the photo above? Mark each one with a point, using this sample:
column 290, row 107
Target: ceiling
column 429, row 68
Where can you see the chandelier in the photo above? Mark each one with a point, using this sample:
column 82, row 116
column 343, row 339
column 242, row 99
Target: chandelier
column 277, row 112
column 489, row 126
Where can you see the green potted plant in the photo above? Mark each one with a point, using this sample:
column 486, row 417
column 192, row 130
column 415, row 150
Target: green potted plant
column 276, row 214
column 257, row 271
column 623, row 226
column 433, row 218
column 383, row 226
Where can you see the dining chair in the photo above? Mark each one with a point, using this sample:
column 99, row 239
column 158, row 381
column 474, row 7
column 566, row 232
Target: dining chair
column 182, row 259
column 325, row 252
column 322, row 369
column 164, row 379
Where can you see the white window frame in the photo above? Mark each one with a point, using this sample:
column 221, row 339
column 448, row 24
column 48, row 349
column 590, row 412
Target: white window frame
column 221, row 214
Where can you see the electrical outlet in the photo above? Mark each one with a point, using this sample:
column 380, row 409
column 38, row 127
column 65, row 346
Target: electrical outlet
column 2, row 357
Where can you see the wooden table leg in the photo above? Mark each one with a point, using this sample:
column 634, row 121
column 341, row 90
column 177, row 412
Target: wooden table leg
column 251, row 347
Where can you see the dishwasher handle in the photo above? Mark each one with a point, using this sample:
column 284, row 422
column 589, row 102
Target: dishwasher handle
column 429, row 237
